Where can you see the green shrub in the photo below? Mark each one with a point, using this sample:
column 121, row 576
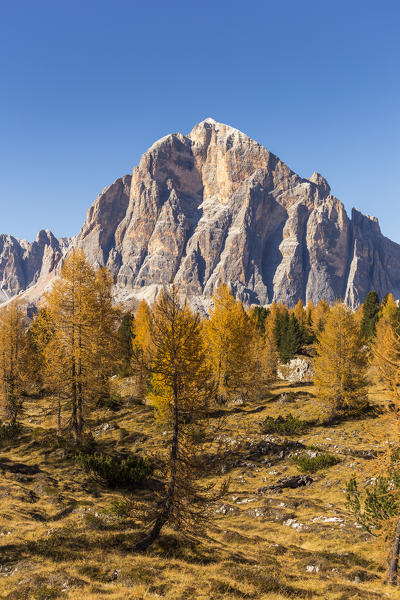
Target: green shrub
column 9, row 431
column 289, row 425
column 113, row 402
column 120, row 508
column 95, row 521
column 311, row 464
column 378, row 503
column 116, row 471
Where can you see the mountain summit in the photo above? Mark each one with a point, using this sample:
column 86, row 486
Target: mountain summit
column 215, row 206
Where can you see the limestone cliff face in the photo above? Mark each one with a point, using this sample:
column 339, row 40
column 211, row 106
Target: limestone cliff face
column 24, row 264
column 215, row 206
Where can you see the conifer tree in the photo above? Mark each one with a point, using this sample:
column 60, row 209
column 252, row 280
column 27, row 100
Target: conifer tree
column 280, row 327
column 269, row 355
column 181, row 391
column 340, row 365
column 82, row 352
column 232, row 346
column 12, row 360
column 141, row 348
column 299, row 313
column 371, row 308
column 69, row 356
column 310, row 308
column 125, row 335
column 385, row 349
column 378, row 507
column 288, row 335
column 105, row 342
column 38, row 336
column 320, row 314
column 259, row 315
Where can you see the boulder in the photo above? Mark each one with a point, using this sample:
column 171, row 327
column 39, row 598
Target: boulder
column 297, row 370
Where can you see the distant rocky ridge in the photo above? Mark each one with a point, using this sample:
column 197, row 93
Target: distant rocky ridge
column 216, row 206
column 25, row 264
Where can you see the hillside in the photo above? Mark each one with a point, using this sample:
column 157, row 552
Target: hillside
column 62, row 538
column 216, row 206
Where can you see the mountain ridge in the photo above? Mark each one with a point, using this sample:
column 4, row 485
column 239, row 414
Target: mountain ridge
column 213, row 206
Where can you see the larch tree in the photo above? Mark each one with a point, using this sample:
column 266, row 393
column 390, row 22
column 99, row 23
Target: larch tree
column 310, row 308
column 299, row 313
column 38, row 336
column 231, row 341
column 125, row 341
column 12, row 360
column 320, row 314
column 106, row 348
column 385, row 350
column 79, row 357
column 269, row 355
column 378, row 507
column 181, row 392
column 341, row 364
column 141, row 346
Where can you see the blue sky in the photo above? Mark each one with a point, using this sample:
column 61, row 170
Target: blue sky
column 86, row 87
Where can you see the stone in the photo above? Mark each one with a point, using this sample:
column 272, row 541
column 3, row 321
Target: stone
column 216, row 206
column 297, row 370
column 24, row 265
column 292, row 482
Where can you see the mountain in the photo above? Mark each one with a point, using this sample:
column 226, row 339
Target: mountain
column 214, row 206
column 27, row 264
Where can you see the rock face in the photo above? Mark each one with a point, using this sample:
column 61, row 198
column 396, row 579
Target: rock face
column 215, row 206
column 24, row 264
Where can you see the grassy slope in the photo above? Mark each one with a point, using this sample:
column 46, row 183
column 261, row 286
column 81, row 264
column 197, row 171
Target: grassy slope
column 56, row 542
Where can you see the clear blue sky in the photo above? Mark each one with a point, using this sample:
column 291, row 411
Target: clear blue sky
column 87, row 86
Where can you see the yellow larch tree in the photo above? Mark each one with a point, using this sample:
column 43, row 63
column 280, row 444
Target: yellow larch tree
column 378, row 507
column 12, row 360
column 269, row 355
column 38, row 336
column 299, row 313
column 181, row 392
column 105, row 343
column 232, row 348
column 79, row 357
column 385, row 350
column 141, row 348
column 320, row 314
column 341, row 364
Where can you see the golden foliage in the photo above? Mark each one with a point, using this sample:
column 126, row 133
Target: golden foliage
column 299, row 313
column 12, row 359
column 319, row 315
column 340, row 365
column 385, row 351
column 83, row 350
column 232, row 346
column 141, row 348
column 178, row 363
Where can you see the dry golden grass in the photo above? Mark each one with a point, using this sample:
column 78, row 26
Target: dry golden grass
column 56, row 541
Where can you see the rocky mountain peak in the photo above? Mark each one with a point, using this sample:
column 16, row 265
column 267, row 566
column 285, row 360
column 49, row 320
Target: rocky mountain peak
column 321, row 182
column 216, row 206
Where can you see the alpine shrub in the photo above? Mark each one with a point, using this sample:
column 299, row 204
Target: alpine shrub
column 115, row 471
column 311, row 464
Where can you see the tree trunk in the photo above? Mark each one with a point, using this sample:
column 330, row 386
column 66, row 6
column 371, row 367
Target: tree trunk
column 394, row 559
column 164, row 515
column 74, row 419
column 59, row 416
column 80, row 394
